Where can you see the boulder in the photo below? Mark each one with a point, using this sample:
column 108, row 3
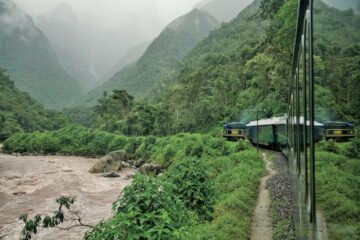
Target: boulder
column 110, row 175
column 113, row 162
column 150, row 168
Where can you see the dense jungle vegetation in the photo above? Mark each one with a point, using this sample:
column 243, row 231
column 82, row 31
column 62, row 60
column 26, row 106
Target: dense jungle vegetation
column 19, row 112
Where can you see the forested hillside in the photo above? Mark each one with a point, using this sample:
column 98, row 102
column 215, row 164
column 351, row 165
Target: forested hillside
column 28, row 58
column 242, row 67
column 337, row 50
column 130, row 57
column 156, row 66
column 19, row 112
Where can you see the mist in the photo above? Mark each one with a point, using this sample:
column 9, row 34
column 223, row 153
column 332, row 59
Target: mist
column 91, row 36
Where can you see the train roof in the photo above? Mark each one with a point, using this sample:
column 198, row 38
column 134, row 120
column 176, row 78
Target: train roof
column 269, row 121
column 278, row 121
column 338, row 124
column 235, row 125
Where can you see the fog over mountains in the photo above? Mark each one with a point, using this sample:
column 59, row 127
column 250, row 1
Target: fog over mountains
column 224, row 10
column 155, row 67
column 86, row 51
column 28, row 58
column 90, row 38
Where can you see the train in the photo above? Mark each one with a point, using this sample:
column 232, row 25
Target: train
column 272, row 132
column 339, row 131
column 234, row 131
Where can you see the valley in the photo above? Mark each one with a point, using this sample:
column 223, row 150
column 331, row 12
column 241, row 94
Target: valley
column 179, row 99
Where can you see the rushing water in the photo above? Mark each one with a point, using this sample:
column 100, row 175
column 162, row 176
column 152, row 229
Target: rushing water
column 30, row 184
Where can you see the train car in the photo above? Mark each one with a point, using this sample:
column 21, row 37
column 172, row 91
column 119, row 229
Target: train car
column 270, row 133
column 339, row 131
column 234, row 131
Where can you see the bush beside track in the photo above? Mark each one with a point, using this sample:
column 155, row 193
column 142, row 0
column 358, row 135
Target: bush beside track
column 338, row 187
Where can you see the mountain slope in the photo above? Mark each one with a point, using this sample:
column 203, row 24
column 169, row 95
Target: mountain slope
column 19, row 112
column 245, row 65
column 163, row 54
column 224, row 10
column 130, row 57
column 28, row 58
column 68, row 37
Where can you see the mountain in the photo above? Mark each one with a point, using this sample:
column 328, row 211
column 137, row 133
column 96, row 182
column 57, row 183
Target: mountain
column 344, row 4
column 224, row 10
column 156, row 66
column 88, row 48
column 28, row 58
column 130, row 56
column 72, row 40
column 19, row 112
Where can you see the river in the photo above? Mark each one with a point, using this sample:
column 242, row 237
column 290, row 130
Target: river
column 31, row 184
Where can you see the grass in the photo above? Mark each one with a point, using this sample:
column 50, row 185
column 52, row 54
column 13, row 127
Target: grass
column 338, row 189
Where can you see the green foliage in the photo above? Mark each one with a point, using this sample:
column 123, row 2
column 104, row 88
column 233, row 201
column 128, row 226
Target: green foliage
column 84, row 116
column 147, row 209
column 243, row 145
column 329, row 146
column 72, row 140
column 194, row 186
column 19, row 112
column 338, row 188
column 236, row 181
column 32, row 225
column 119, row 112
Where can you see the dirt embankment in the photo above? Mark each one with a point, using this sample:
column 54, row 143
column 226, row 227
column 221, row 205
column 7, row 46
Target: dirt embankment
column 30, row 184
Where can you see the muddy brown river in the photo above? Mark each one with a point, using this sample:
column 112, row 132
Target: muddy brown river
column 31, row 184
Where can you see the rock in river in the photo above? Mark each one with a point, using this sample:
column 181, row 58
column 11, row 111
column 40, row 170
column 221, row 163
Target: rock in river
column 113, row 162
column 111, row 175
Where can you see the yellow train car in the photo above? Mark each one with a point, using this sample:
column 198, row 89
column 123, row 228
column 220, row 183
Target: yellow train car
column 234, row 131
column 339, row 131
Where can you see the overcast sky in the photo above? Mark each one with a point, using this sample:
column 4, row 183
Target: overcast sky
column 117, row 13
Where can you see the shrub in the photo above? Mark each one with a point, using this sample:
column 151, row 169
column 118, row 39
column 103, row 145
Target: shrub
column 243, row 145
column 354, row 150
column 148, row 209
column 329, row 146
column 194, row 186
column 118, row 143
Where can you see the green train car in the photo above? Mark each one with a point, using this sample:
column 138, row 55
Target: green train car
column 272, row 133
column 234, row 131
column 269, row 133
